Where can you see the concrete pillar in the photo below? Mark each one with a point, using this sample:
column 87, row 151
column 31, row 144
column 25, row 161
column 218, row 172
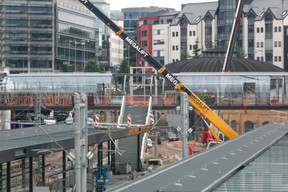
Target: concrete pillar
column 5, row 118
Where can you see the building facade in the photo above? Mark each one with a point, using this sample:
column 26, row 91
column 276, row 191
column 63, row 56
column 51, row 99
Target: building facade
column 77, row 37
column 262, row 34
column 116, row 43
column 43, row 36
column 131, row 16
column 27, row 36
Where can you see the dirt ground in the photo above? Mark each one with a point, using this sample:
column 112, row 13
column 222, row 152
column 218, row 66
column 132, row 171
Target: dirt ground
column 168, row 152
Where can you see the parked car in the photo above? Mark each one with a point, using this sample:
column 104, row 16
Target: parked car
column 172, row 136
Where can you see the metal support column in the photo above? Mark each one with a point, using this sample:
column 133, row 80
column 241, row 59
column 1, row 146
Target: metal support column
column 185, row 123
column 100, row 154
column 138, row 153
column 23, row 172
column 84, row 140
column 8, row 176
column 64, row 170
column 109, row 153
column 113, row 156
column 30, row 174
column 77, row 134
column 43, row 169
column 37, row 109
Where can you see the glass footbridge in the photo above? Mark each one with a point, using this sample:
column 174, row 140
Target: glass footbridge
column 218, row 90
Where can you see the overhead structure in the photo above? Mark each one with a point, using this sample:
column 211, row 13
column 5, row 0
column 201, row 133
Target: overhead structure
column 200, row 107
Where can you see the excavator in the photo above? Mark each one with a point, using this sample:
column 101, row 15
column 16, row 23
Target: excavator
column 200, row 107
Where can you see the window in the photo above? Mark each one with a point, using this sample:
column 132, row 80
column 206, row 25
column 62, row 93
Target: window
column 194, row 33
column 173, row 47
column 190, row 47
column 248, row 126
column 176, row 34
column 280, row 59
column 144, row 43
column 258, row 30
column 279, row 44
column 262, row 44
column 262, row 30
column 176, row 47
column 275, row 44
column 257, row 44
column 257, row 58
column 275, row 58
column 190, row 33
column 275, row 29
column 144, row 33
column 279, row 29
column 173, row 34
column 197, row 19
column 262, row 58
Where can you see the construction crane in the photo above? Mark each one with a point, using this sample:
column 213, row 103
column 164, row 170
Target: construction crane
column 200, row 107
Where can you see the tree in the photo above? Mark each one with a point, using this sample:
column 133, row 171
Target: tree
column 68, row 68
column 240, row 52
column 132, row 57
column 124, row 67
column 92, row 66
column 185, row 54
column 196, row 50
column 216, row 43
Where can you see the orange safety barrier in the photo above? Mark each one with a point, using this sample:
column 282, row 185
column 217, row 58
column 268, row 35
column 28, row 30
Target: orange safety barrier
column 11, row 101
column 190, row 144
column 63, row 100
column 24, row 100
column 50, row 101
column 135, row 100
column 170, row 100
column 103, row 100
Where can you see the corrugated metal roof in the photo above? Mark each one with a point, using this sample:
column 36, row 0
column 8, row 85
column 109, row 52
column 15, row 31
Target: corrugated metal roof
column 269, row 172
column 216, row 65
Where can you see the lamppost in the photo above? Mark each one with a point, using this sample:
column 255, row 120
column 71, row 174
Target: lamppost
column 84, row 49
column 83, row 43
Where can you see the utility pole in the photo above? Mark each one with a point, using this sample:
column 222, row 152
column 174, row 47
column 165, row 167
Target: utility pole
column 185, row 123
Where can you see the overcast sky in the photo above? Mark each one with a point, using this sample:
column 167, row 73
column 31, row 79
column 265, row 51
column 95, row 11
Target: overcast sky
column 176, row 4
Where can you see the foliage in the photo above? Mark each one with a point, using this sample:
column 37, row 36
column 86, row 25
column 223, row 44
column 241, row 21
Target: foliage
column 185, row 54
column 69, row 68
column 196, row 50
column 132, row 57
column 216, row 43
column 92, row 65
column 124, row 67
column 240, row 52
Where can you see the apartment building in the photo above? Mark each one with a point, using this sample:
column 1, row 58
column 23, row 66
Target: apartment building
column 262, row 35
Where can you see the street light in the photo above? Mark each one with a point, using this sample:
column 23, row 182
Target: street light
column 84, row 47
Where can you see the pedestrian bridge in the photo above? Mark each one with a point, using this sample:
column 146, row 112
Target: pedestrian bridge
column 217, row 90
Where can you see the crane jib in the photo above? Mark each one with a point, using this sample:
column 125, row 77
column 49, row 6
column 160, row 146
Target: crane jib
column 136, row 46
